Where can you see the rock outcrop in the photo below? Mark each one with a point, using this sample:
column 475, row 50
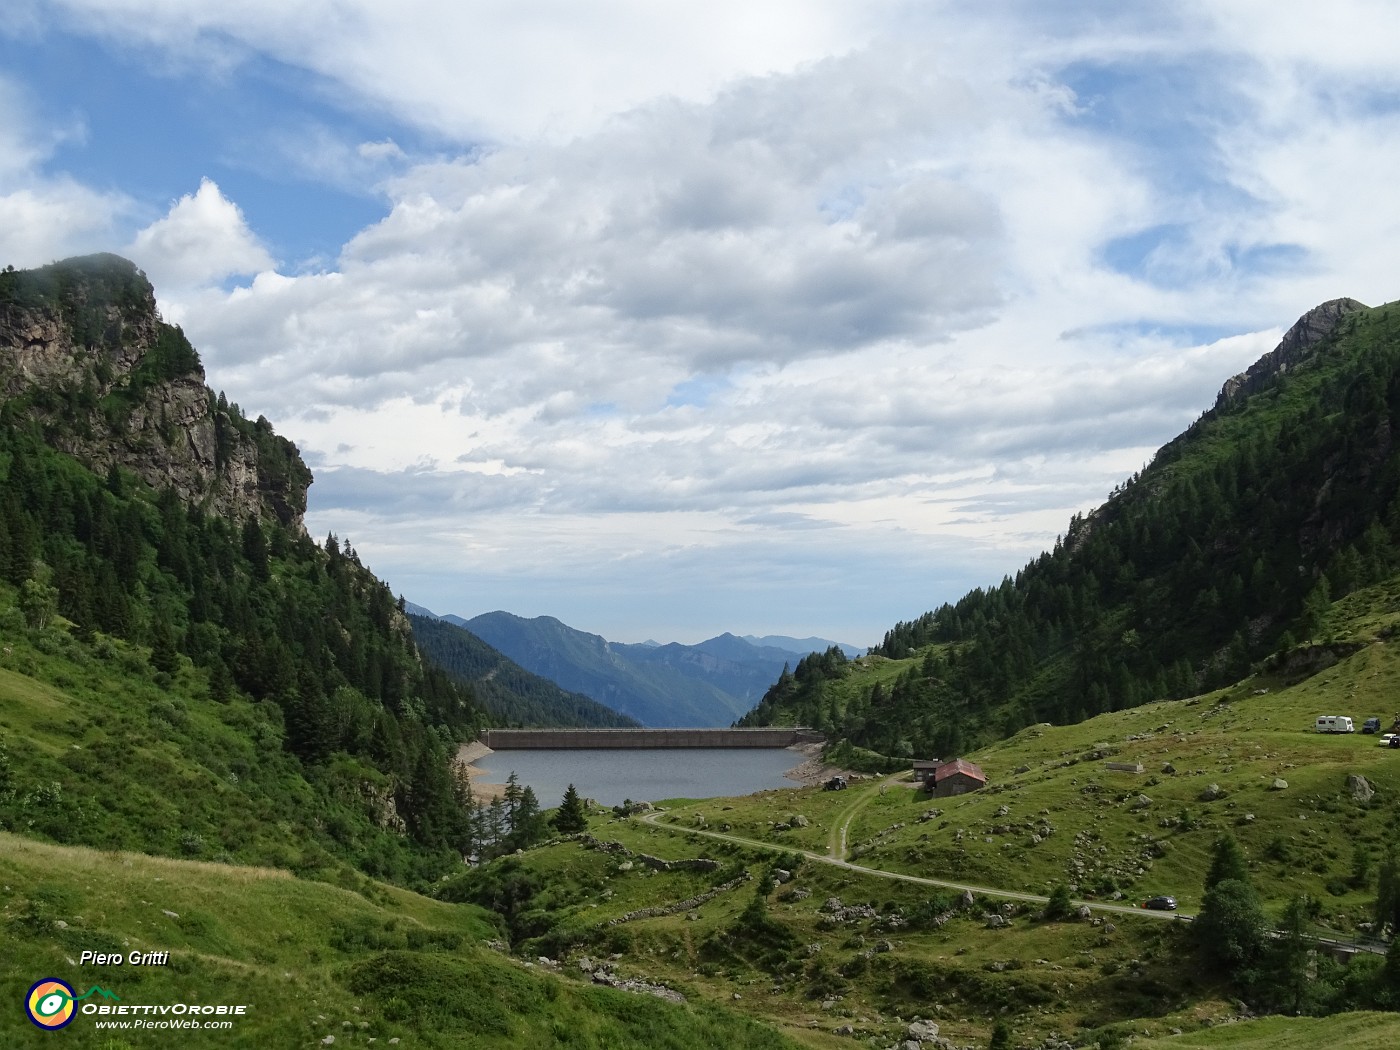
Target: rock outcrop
column 1293, row 348
column 85, row 354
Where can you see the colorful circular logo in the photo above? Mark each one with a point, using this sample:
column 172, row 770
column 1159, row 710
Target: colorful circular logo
column 50, row 1003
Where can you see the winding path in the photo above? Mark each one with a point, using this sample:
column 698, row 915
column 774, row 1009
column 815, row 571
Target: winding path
column 836, row 856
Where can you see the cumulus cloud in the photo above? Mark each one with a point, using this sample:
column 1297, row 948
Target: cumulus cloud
column 43, row 216
column 201, row 240
column 791, row 299
column 471, row 69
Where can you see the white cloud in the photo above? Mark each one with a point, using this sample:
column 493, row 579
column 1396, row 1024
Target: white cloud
column 45, row 217
column 201, row 240
column 473, row 69
column 774, row 294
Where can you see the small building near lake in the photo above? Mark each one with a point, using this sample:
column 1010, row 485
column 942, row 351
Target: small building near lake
column 956, row 777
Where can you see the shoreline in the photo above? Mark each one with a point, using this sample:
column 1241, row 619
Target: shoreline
column 467, row 757
column 812, row 771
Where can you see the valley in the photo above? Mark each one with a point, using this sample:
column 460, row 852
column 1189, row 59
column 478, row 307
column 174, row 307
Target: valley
column 227, row 746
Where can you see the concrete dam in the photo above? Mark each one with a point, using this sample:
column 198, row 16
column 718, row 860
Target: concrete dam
column 538, row 739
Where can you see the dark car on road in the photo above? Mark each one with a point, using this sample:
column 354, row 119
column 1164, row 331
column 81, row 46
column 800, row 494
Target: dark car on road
column 1162, row 903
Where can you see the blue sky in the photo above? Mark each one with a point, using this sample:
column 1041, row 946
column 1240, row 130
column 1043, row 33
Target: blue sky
column 669, row 320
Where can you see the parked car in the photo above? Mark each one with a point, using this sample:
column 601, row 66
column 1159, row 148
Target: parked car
column 1161, row 903
column 1386, row 738
column 1371, row 725
column 1395, row 741
column 835, row 784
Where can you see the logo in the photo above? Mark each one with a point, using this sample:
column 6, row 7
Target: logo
column 51, row 1002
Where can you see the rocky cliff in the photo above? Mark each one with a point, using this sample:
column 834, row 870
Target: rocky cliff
column 86, row 356
column 1295, row 346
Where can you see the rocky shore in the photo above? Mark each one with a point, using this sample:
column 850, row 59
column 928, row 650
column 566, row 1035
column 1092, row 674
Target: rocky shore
column 469, row 754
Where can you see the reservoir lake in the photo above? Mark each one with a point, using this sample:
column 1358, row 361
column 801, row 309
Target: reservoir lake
column 611, row 775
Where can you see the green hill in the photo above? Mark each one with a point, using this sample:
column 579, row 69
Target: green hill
column 182, row 669
column 1221, row 552
column 313, row 964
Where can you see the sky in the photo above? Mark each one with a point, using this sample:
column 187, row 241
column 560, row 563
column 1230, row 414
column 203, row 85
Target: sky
column 670, row 319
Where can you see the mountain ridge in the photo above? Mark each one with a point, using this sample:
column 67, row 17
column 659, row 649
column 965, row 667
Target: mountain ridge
column 661, row 686
column 1223, row 550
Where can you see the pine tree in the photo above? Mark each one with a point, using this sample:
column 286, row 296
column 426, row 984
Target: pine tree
column 1227, row 862
column 571, row 816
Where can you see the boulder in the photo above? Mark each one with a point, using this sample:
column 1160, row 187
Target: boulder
column 921, row 1030
column 1212, row 793
column 1279, row 784
column 1360, row 788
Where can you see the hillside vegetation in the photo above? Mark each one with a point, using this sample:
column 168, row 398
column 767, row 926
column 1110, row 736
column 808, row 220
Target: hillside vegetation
column 1241, row 764
column 309, row 960
column 182, row 668
column 1225, row 550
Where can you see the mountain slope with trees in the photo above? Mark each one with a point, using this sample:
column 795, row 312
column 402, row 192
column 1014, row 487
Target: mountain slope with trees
column 511, row 694
column 1222, row 552
column 669, row 685
column 198, row 649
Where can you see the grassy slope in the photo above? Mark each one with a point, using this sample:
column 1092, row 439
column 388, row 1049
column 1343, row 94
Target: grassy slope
column 309, row 959
column 280, row 943
column 1047, row 977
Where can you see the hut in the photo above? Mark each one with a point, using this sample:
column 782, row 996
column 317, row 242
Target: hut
column 956, row 777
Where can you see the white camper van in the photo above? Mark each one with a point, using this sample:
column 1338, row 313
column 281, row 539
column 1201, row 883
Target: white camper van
column 1334, row 724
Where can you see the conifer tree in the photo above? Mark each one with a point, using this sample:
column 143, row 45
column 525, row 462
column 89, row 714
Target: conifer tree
column 571, row 817
column 1227, row 862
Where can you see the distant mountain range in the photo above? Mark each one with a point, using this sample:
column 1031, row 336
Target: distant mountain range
column 802, row 646
column 511, row 694
column 712, row 683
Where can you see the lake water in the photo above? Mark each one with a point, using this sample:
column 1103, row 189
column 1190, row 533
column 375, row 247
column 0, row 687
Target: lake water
column 643, row 774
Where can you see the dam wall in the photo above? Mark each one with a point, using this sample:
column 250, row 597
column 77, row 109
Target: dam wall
column 520, row 739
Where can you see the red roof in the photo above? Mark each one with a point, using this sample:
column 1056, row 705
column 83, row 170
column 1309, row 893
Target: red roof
column 959, row 765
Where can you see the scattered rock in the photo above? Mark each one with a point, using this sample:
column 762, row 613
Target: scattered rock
column 1279, row 784
column 1360, row 788
column 1142, row 802
column 1167, row 767
column 1212, row 793
column 921, row 1030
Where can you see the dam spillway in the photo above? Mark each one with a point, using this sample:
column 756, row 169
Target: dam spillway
column 538, row 739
